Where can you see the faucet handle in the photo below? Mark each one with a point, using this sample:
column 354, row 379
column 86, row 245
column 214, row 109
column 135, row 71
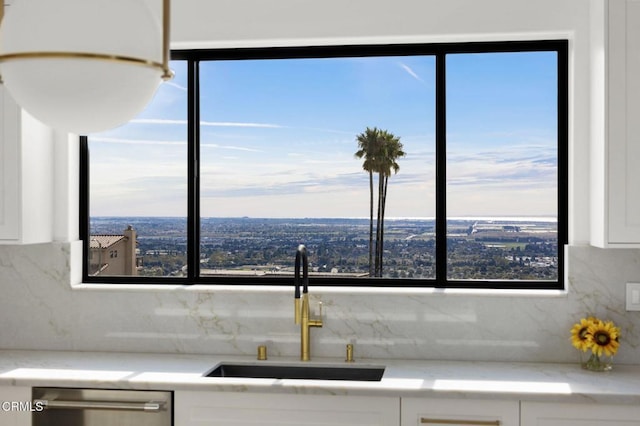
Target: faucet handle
column 317, row 322
column 349, row 353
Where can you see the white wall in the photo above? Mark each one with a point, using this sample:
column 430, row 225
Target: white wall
column 40, row 310
column 299, row 22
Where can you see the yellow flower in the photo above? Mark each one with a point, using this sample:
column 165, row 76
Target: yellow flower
column 604, row 337
column 580, row 336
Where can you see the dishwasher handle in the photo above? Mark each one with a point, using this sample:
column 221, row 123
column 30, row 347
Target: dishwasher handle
column 151, row 406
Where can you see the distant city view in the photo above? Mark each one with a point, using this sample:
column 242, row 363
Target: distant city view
column 478, row 248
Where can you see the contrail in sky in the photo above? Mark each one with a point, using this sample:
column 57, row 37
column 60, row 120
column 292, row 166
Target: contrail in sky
column 411, row 72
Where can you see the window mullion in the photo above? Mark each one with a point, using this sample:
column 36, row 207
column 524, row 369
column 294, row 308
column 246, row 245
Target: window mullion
column 441, row 172
column 563, row 156
column 193, row 153
column 84, row 186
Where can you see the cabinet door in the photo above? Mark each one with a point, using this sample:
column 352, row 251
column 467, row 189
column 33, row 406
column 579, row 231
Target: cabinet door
column 9, row 169
column 251, row 409
column 548, row 414
column 26, row 176
column 15, row 406
column 460, row 412
column 623, row 127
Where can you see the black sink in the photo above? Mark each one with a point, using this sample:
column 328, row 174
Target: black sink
column 305, row 372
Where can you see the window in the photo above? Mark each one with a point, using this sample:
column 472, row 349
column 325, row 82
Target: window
column 398, row 165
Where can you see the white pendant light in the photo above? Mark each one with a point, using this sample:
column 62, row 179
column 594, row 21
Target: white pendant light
column 84, row 66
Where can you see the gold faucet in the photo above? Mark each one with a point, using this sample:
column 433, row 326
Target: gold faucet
column 301, row 309
column 305, row 325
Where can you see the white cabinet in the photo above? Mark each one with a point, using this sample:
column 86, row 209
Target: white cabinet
column 615, row 123
column 251, row 409
column 9, row 188
column 26, row 176
column 550, row 414
column 15, row 405
column 463, row 412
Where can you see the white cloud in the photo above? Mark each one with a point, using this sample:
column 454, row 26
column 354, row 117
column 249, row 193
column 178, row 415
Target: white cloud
column 157, row 121
column 206, row 123
column 176, row 85
column 231, row 147
column 95, row 139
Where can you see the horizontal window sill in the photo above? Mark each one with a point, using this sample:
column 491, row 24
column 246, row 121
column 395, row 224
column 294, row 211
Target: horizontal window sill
column 373, row 291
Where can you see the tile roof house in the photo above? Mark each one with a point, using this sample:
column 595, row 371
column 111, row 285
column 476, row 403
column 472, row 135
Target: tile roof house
column 113, row 254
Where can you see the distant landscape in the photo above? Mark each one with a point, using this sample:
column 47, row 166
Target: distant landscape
column 486, row 248
column 499, row 248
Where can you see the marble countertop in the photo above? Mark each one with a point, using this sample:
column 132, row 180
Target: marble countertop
column 402, row 378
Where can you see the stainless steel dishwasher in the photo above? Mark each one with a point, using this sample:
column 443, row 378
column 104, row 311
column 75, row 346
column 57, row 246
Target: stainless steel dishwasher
column 100, row 407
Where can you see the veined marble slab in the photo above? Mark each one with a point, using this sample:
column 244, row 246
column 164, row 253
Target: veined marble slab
column 402, row 378
column 42, row 307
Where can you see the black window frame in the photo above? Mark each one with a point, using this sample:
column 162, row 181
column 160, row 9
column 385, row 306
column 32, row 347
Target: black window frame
column 439, row 51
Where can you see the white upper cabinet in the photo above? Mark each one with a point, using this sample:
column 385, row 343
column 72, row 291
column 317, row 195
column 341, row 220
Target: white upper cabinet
column 26, row 176
column 9, row 188
column 615, row 123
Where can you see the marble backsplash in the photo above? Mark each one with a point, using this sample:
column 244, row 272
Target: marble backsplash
column 41, row 309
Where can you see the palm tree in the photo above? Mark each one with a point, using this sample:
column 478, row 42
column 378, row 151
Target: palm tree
column 391, row 150
column 380, row 150
column 368, row 144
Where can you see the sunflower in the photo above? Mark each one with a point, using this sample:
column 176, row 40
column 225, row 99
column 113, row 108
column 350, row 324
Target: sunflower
column 580, row 336
column 604, row 337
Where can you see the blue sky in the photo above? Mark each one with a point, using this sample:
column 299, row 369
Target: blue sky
column 278, row 138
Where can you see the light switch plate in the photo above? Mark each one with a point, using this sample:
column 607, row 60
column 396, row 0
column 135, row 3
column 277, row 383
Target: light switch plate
column 633, row 296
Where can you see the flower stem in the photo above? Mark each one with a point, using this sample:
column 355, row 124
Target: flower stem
column 594, row 363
